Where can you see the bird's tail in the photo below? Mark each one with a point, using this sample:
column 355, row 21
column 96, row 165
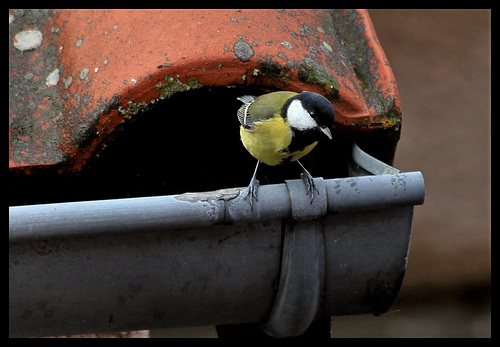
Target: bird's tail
column 246, row 98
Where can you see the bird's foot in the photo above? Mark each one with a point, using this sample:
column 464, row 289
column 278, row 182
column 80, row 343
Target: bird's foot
column 251, row 191
column 308, row 181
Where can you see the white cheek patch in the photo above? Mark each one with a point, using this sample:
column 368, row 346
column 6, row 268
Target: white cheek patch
column 298, row 117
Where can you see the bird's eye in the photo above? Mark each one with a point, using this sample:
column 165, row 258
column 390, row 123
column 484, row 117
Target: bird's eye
column 311, row 113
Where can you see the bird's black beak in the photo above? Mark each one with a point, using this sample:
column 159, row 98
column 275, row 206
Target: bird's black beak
column 327, row 132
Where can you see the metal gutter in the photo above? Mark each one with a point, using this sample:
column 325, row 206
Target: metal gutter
column 196, row 210
column 207, row 258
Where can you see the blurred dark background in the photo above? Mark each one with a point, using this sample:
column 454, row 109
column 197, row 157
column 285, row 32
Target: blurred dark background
column 442, row 63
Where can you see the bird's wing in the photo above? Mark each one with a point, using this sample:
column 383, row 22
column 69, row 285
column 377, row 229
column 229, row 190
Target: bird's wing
column 260, row 108
column 243, row 115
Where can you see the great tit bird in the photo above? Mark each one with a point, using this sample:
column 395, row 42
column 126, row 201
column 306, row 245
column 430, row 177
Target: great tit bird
column 282, row 127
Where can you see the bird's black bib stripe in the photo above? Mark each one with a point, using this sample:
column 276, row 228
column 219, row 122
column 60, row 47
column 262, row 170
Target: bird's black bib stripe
column 301, row 140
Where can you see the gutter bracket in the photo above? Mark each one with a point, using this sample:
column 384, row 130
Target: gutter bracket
column 302, row 207
column 301, row 280
column 302, row 265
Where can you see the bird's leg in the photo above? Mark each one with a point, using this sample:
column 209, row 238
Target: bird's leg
column 308, row 181
column 251, row 191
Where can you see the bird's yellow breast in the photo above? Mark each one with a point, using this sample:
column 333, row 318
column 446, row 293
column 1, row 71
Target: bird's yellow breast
column 268, row 141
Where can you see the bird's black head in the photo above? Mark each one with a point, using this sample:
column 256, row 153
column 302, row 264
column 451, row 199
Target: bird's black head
column 319, row 107
column 309, row 111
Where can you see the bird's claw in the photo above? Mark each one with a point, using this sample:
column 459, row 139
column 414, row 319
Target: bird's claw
column 309, row 183
column 251, row 191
